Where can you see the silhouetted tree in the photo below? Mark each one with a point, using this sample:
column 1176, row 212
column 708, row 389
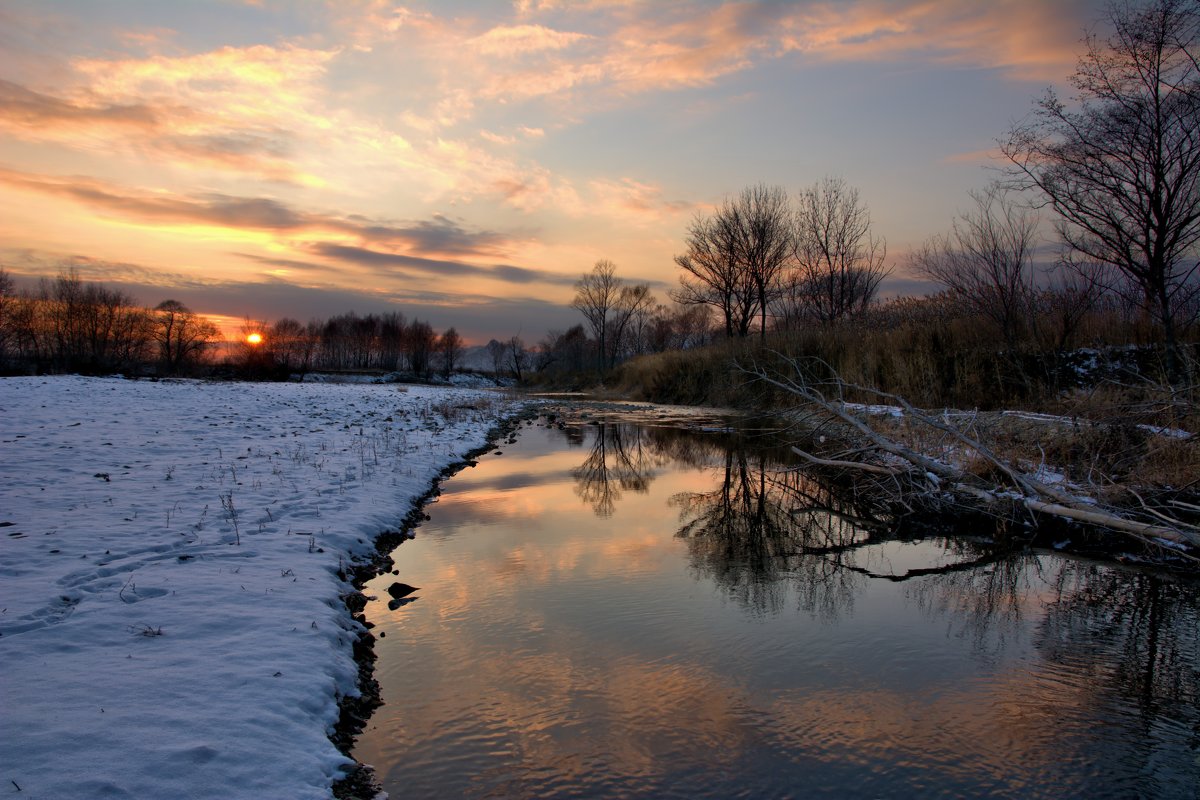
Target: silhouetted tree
column 1121, row 167
column 450, row 348
column 391, row 340
column 286, row 342
column 496, row 351
column 596, row 294
column 8, row 303
column 760, row 220
column 564, row 352
column 632, row 303
column 183, row 337
column 518, row 358
column 253, row 354
column 419, row 344
column 715, row 276
column 987, row 261
column 839, row 262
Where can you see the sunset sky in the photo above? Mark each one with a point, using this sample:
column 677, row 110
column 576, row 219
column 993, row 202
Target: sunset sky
column 465, row 162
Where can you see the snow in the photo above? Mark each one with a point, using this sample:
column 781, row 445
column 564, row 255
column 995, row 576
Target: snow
column 875, row 410
column 1157, row 430
column 1172, row 433
column 144, row 652
column 1044, row 474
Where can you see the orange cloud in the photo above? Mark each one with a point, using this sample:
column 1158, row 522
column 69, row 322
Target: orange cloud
column 515, row 40
column 437, row 236
column 1030, row 39
column 34, row 114
column 637, row 201
column 663, row 46
column 234, row 109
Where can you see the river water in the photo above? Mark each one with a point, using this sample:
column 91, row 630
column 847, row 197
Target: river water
column 613, row 610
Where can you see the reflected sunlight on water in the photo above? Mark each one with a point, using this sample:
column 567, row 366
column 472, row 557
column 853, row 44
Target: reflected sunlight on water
column 615, row 611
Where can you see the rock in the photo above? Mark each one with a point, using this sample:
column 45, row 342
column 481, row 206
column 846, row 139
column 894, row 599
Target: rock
column 399, row 590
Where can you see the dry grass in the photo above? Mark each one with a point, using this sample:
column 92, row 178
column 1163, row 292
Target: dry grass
column 927, row 350
column 1103, row 458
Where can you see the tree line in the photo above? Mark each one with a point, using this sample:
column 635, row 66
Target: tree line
column 762, row 256
column 1116, row 170
column 67, row 324
column 387, row 342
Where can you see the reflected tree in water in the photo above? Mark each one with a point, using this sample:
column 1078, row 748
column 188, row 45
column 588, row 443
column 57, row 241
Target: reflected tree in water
column 1145, row 629
column 766, row 530
column 622, row 458
column 1137, row 634
column 985, row 597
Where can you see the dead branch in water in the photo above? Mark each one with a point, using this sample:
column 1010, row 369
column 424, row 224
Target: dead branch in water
column 914, row 473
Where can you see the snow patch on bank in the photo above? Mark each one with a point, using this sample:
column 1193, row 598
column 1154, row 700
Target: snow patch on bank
column 170, row 613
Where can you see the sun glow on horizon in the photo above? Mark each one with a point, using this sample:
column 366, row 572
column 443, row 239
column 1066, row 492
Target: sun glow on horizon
column 254, row 338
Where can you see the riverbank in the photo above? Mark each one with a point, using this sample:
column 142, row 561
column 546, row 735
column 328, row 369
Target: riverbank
column 175, row 559
column 355, row 710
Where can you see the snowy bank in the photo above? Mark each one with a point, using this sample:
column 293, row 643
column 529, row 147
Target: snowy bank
column 171, row 622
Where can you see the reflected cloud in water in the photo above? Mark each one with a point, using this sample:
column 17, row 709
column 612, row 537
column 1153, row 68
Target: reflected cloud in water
column 659, row 613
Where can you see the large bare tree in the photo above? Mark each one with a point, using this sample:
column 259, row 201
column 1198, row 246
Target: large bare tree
column 714, row 275
column 450, row 347
column 839, row 261
column 609, row 305
column 596, row 293
column 760, row 221
column 987, row 260
column 633, row 302
column 1120, row 165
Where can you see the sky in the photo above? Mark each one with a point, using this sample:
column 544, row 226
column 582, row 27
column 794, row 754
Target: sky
column 465, row 162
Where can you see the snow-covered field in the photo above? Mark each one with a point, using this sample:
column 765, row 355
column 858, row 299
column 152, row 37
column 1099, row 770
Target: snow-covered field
column 170, row 620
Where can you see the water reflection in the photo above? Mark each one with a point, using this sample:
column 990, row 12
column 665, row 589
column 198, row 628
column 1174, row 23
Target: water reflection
column 622, row 458
column 655, row 613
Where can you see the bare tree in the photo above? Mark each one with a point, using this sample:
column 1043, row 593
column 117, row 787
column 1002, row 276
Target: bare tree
column 987, row 260
column 419, row 341
column 518, row 357
column 496, row 351
column 7, row 308
column 1121, row 168
column 390, row 344
column 596, row 294
column 762, row 231
column 450, row 347
column 286, row 341
column 253, row 352
column 714, row 275
column 839, row 262
column 632, row 303
column 564, row 351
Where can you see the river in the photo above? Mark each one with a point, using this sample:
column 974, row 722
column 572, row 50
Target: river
column 618, row 610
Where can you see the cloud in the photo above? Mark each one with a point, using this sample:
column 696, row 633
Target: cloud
column 437, row 236
column 496, row 138
column 241, row 110
column 647, row 47
column 30, row 112
column 440, row 268
column 477, row 317
column 515, row 40
column 1029, row 39
column 636, row 201
column 148, row 129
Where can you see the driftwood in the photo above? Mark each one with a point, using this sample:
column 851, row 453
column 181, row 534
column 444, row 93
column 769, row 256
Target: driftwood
column 933, row 478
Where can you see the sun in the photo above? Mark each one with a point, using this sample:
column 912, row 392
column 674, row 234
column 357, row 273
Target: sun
column 254, row 338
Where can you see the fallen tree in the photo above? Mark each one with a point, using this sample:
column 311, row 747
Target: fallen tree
column 913, row 477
